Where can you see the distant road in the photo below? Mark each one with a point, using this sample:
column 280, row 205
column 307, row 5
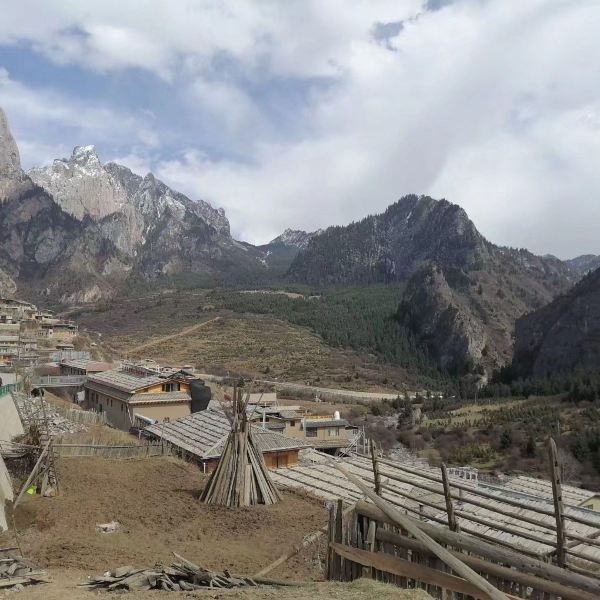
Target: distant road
column 322, row 392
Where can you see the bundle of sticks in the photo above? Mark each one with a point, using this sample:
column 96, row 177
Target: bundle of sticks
column 182, row 575
column 241, row 477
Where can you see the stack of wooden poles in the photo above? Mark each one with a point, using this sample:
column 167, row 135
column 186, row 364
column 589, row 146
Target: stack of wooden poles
column 241, row 477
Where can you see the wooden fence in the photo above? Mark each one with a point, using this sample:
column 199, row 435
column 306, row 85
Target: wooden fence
column 366, row 542
column 383, row 542
column 110, row 451
column 86, row 417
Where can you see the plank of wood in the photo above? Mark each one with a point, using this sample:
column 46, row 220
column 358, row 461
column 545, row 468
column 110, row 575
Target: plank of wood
column 405, row 568
column 442, row 553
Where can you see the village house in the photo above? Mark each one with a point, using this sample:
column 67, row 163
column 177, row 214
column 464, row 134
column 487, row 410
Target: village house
column 9, row 347
column 132, row 395
column 82, row 366
column 592, row 503
column 328, row 433
column 202, row 436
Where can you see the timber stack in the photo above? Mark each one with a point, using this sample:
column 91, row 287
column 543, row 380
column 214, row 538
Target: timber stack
column 182, row 575
column 241, row 477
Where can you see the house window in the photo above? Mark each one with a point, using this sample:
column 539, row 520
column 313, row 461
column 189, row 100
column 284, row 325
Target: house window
column 170, row 387
column 333, row 431
column 292, row 423
column 311, row 432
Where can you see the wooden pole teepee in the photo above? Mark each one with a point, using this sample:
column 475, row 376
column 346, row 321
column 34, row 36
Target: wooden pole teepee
column 241, row 477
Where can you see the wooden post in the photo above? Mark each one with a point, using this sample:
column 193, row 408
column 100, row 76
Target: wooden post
column 449, row 506
column 555, row 475
column 376, row 475
column 406, row 523
column 336, row 559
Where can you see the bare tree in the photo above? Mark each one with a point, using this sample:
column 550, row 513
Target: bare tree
column 571, row 467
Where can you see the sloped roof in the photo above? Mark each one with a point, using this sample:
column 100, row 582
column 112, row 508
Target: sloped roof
column 160, row 397
column 204, row 433
column 124, row 381
column 325, row 423
column 265, row 440
column 88, row 365
column 543, row 489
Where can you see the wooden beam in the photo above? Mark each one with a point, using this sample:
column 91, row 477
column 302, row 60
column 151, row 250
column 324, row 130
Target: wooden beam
column 492, row 552
column 449, row 506
column 442, row 553
column 555, row 475
column 376, row 475
column 404, row 568
column 33, row 474
column 490, row 568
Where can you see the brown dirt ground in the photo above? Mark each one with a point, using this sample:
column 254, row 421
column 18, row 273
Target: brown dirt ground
column 156, row 501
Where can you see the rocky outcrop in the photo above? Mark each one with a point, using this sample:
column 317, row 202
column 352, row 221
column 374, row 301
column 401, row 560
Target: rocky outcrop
column 582, row 265
column 10, row 162
column 442, row 319
column 77, row 230
column 296, row 238
column 563, row 336
column 463, row 294
column 281, row 251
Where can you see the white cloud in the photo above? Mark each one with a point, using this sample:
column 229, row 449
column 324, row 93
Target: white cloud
column 492, row 105
column 37, row 115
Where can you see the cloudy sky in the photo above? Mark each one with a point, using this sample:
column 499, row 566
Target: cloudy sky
column 306, row 113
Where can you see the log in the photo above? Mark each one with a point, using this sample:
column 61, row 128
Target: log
column 442, row 553
column 551, row 587
column 558, row 502
column 452, row 524
column 405, row 568
column 492, row 552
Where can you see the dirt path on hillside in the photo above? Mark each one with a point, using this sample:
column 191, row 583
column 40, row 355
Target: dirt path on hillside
column 172, row 336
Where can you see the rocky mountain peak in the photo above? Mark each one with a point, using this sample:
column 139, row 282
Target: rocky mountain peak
column 85, row 156
column 10, row 161
column 296, row 238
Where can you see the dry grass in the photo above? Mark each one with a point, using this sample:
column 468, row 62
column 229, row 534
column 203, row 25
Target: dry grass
column 256, row 345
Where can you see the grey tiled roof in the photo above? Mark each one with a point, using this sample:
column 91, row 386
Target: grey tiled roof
column 126, row 382
column 160, row 397
column 203, row 434
column 266, row 441
column 325, row 423
column 87, row 365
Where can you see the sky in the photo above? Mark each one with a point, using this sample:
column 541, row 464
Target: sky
column 306, row 113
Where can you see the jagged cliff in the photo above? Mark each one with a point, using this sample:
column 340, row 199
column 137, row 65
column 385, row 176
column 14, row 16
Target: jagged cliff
column 463, row 293
column 77, row 230
column 563, row 336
